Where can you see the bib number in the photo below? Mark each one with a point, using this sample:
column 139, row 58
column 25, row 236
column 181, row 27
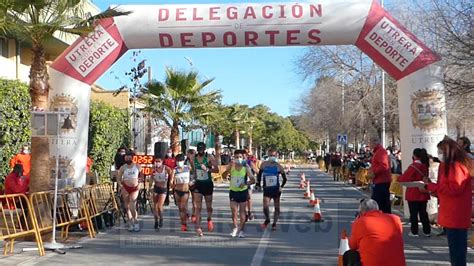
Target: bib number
column 271, row 181
column 160, row 178
column 236, row 181
column 182, row 179
column 201, row 175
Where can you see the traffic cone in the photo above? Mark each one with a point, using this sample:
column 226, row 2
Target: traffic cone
column 317, row 217
column 343, row 247
column 302, row 184
column 303, row 177
column 312, row 200
column 308, row 190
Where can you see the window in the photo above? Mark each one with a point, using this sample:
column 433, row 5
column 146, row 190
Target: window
column 4, row 47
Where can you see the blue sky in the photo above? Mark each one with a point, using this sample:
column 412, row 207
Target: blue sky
column 245, row 75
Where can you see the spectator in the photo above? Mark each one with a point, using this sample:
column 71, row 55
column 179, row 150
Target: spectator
column 465, row 144
column 23, row 158
column 382, row 176
column 336, row 163
column 327, row 161
column 170, row 160
column 119, row 159
column 377, row 237
column 225, row 158
column 17, row 182
column 454, row 192
column 417, row 198
column 393, row 159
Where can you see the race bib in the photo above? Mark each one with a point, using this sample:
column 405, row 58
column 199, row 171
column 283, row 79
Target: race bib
column 160, row 177
column 201, row 175
column 182, row 178
column 271, row 181
column 236, row 181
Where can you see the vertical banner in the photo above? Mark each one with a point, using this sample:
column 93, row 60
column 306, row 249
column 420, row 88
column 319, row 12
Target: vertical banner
column 423, row 124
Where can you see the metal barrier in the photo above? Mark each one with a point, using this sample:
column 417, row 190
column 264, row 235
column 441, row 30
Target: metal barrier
column 102, row 200
column 397, row 189
column 362, row 177
column 17, row 219
column 71, row 210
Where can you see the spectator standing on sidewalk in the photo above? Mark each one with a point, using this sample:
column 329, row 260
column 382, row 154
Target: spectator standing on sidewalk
column 454, row 192
column 380, row 166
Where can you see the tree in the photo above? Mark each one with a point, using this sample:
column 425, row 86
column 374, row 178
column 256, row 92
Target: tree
column 179, row 100
column 35, row 21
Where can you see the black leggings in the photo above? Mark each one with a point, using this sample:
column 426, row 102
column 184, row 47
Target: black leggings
column 351, row 258
column 419, row 208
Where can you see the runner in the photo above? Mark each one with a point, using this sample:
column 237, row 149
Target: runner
column 270, row 171
column 239, row 192
column 169, row 161
column 161, row 175
column 203, row 164
column 180, row 185
column 189, row 156
column 128, row 176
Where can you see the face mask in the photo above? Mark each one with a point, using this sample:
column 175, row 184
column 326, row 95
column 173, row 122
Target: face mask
column 201, row 153
column 240, row 161
column 272, row 159
column 181, row 164
column 122, row 153
column 26, row 151
column 158, row 164
column 169, row 154
column 441, row 157
column 128, row 161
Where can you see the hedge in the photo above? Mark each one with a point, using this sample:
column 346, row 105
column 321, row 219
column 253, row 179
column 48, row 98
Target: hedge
column 108, row 130
column 15, row 129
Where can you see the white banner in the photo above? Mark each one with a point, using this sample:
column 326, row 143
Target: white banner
column 243, row 25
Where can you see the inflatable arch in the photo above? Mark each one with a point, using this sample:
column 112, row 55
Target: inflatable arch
column 363, row 23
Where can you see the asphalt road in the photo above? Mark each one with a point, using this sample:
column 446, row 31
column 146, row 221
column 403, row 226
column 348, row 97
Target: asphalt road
column 296, row 241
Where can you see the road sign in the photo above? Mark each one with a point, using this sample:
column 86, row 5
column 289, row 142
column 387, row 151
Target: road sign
column 341, row 139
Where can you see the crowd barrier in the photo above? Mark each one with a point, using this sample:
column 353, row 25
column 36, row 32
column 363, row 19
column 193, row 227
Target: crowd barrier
column 17, row 220
column 22, row 216
column 397, row 190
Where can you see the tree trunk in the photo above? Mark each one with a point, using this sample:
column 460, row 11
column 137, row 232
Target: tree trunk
column 250, row 143
column 174, row 138
column 39, row 89
column 237, row 139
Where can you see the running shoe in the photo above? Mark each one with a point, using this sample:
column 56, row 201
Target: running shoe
column 241, row 234
column 184, row 228
column 160, row 224
column 274, row 227
column 426, row 235
column 136, row 227
column 234, row 233
column 210, row 226
column 156, row 224
column 199, row 232
column 412, row 235
column 130, row 228
column 251, row 216
column 265, row 224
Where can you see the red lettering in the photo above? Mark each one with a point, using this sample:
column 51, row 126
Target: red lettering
column 208, row 37
column 272, row 34
column 251, row 37
column 401, row 40
column 315, row 10
column 233, row 38
column 163, row 14
column 396, row 35
column 407, row 45
column 403, row 62
column 313, row 35
column 232, row 13
column 384, row 25
column 282, row 11
column 195, row 15
column 265, row 11
column 290, row 38
column 213, row 13
column 379, row 39
column 179, row 14
column 297, row 11
column 373, row 36
column 384, row 44
column 394, row 53
column 185, row 39
column 249, row 12
column 165, row 40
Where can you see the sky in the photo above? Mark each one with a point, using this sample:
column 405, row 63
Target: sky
column 244, row 75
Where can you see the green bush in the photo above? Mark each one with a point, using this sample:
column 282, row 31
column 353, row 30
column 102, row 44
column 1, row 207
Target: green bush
column 108, row 130
column 15, row 129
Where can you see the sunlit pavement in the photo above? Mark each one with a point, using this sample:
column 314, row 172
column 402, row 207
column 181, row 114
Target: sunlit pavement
column 296, row 241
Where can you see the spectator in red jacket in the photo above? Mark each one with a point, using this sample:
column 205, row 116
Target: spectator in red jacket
column 377, row 237
column 23, row 158
column 16, row 182
column 417, row 198
column 455, row 195
column 382, row 176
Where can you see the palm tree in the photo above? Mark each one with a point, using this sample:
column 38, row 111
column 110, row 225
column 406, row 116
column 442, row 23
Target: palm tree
column 179, row 100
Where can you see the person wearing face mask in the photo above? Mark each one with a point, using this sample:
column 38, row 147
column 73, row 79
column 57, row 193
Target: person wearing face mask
column 17, row 182
column 189, row 156
column 239, row 191
column 23, row 158
column 160, row 176
column 455, row 195
column 128, row 177
column 417, row 198
column 119, row 159
column 270, row 172
column 203, row 165
column 169, row 161
column 180, row 184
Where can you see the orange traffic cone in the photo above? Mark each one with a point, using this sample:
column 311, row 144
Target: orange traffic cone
column 312, row 200
column 302, row 184
column 343, row 247
column 308, row 190
column 317, row 216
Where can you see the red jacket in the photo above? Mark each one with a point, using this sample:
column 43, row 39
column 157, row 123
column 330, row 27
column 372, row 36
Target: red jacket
column 412, row 174
column 455, row 196
column 381, row 166
column 170, row 162
column 24, row 160
column 378, row 238
column 16, row 185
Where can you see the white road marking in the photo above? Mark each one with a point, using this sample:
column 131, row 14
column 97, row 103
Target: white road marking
column 262, row 246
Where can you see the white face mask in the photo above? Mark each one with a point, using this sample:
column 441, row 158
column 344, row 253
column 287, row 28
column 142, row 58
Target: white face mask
column 272, row 159
column 181, row 164
column 170, row 154
column 158, row 164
